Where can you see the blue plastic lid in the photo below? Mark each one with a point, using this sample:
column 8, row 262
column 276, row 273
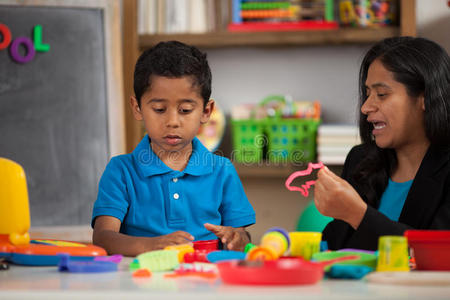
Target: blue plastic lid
column 87, row 266
column 349, row 271
column 222, row 255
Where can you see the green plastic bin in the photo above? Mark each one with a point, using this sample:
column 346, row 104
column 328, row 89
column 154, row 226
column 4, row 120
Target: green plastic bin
column 291, row 140
column 248, row 140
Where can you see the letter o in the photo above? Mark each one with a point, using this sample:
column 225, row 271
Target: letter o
column 14, row 50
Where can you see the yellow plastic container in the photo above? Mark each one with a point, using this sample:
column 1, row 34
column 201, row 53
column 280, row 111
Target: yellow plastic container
column 14, row 209
column 305, row 244
column 392, row 254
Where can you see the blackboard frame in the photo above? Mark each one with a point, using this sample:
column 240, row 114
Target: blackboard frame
column 113, row 61
column 79, row 196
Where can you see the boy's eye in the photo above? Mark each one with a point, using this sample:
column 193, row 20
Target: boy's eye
column 185, row 110
column 381, row 95
column 158, row 110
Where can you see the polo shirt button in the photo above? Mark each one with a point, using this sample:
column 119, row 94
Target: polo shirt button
column 176, row 196
column 175, row 179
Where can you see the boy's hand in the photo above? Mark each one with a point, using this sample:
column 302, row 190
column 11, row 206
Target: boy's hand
column 234, row 238
column 174, row 238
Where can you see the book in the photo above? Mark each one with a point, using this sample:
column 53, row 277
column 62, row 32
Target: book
column 334, row 150
column 176, row 16
column 338, row 129
column 151, row 22
column 332, row 159
column 141, row 16
column 197, row 16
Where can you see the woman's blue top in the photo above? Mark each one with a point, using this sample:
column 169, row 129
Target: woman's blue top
column 393, row 199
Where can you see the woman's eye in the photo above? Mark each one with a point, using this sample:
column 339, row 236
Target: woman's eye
column 380, row 95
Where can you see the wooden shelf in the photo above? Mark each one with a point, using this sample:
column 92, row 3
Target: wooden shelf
column 276, row 39
column 268, row 170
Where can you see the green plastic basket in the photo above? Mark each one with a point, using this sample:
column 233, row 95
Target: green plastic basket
column 291, row 140
column 248, row 140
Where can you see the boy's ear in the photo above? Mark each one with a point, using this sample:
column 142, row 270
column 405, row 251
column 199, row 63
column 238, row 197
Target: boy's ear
column 135, row 108
column 207, row 111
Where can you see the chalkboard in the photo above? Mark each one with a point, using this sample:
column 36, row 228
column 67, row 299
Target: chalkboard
column 61, row 114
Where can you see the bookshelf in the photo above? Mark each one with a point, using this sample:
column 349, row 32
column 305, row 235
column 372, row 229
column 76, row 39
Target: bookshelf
column 287, row 38
column 133, row 44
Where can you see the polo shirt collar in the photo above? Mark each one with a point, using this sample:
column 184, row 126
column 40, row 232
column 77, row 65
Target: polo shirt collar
column 200, row 162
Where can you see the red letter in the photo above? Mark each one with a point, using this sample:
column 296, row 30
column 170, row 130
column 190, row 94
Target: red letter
column 4, row 30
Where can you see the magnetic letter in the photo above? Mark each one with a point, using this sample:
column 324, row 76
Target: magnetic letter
column 4, row 30
column 38, row 46
column 14, row 50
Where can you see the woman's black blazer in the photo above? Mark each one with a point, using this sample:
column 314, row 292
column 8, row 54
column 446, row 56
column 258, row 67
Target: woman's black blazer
column 427, row 205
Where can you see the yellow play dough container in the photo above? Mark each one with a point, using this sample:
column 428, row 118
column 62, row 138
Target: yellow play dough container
column 305, row 244
column 14, row 209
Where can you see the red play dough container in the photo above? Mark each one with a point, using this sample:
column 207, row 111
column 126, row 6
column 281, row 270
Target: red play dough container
column 431, row 248
column 209, row 245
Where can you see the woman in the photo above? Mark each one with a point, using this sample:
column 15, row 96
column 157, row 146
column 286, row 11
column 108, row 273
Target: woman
column 399, row 177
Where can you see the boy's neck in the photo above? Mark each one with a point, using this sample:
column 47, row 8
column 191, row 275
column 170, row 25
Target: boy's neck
column 176, row 160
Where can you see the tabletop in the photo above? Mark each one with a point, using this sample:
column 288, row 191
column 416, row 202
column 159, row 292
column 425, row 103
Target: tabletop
column 24, row 282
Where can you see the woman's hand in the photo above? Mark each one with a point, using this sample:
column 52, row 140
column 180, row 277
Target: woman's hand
column 336, row 198
column 233, row 238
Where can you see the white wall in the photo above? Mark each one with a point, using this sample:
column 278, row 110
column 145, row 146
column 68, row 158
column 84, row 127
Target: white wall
column 328, row 74
column 433, row 21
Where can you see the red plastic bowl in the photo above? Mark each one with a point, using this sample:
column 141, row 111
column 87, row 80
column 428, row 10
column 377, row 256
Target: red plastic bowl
column 287, row 271
column 431, row 248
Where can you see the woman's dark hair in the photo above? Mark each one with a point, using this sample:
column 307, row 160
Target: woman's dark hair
column 423, row 67
column 174, row 60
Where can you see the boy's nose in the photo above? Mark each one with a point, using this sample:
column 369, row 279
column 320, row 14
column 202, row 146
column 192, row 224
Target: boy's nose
column 173, row 119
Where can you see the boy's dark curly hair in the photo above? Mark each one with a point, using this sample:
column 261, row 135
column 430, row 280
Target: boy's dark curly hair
column 172, row 59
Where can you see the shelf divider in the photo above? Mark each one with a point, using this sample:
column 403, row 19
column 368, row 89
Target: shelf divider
column 275, row 39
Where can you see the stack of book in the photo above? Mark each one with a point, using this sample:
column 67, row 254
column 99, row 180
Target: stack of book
column 335, row 141
column 182, row 16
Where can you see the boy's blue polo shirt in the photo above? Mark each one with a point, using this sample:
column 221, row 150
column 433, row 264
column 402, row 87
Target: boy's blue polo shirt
column 151, row 199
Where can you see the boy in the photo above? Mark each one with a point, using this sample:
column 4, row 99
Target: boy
column 170, row 190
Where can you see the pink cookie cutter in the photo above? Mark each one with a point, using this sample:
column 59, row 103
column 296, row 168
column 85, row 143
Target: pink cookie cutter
column 304, row 189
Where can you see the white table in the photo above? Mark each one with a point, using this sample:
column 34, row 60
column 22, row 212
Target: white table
column 20, row 282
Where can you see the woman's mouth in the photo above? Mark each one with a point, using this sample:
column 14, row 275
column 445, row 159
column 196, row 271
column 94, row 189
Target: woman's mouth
column 378, row 126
